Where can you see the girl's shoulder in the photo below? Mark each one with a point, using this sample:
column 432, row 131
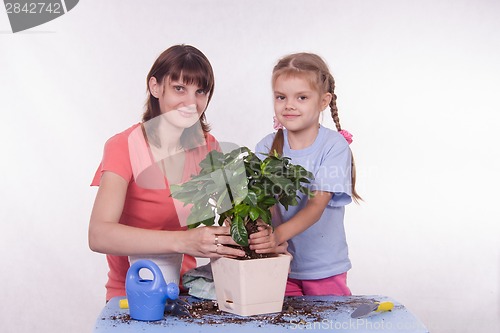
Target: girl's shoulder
column 264, row 145
column 332, row 138
column 268, row 137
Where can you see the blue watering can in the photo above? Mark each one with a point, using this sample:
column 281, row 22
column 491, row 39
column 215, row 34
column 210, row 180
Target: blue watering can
column 147, row 298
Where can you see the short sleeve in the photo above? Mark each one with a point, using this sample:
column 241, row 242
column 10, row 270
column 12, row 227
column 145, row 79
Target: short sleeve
column 115, row 159
column 264, row 146
column 334, row 174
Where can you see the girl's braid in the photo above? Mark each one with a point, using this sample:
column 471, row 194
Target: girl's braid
column 335, row 115
column 333, row 103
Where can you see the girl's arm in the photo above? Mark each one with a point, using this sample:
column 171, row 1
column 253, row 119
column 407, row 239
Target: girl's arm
column 108, row 236
column 265, row 242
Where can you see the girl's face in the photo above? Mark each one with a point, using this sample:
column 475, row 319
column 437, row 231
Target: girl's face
column 297, row 104
column 181, row 104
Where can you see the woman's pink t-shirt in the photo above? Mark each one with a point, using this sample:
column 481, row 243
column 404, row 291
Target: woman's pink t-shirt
column 148, row 203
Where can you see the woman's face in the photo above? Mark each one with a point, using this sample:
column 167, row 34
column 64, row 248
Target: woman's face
column 181, row 104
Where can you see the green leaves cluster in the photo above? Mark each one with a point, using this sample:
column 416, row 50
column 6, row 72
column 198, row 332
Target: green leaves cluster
column 240, row 187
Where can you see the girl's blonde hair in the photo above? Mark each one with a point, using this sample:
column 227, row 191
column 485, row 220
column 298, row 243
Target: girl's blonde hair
column 314, row 69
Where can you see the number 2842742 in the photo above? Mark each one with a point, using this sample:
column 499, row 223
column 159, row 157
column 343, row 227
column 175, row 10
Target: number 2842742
column 33, row 8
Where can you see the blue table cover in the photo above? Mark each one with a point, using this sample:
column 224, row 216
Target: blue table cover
column 302, row 313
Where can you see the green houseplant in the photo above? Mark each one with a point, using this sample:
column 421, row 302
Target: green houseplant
column 240, row 188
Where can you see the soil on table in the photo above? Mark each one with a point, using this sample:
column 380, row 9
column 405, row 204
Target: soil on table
column 209, row 313
column 295, row 311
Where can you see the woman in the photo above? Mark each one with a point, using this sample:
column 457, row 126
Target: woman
column 134, row 214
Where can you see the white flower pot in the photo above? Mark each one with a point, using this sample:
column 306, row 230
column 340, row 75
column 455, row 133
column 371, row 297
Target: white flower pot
column 250, row 287
column 170, row 266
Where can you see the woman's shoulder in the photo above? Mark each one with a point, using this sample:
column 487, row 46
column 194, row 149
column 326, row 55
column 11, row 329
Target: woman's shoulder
column 123, row 136
column 211, row 142
column 210, row 138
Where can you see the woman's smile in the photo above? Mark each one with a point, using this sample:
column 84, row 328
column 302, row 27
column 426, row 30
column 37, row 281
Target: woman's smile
column 188, row 111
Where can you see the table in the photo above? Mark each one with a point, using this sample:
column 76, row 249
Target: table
column 307, row 313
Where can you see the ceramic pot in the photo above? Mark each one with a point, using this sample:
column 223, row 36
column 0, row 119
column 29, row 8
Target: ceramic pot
column 250, row 287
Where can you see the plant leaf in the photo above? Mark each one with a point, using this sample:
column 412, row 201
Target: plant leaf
column 265, row 215
column 238, row 231
column 251, row 199
column 253, row 213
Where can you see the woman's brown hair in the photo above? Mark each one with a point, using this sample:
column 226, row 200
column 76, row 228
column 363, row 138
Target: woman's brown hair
column 192, row 66
column 313, row 68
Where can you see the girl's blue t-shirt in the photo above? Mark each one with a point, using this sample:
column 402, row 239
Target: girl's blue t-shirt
column 320, row 251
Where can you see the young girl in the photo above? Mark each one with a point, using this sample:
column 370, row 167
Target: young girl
column 133, row 214
column 303, row 88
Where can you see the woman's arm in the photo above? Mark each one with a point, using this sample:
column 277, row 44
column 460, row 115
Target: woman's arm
column 108, row 236
column 265, row 242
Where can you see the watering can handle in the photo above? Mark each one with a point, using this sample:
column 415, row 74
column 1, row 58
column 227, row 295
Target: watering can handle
column 134, row 281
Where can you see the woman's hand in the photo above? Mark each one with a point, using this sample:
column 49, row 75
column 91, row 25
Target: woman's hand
column 209, row 242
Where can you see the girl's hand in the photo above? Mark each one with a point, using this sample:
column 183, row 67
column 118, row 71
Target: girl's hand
column 209, row 242
column 265, row 241
column 283, row 249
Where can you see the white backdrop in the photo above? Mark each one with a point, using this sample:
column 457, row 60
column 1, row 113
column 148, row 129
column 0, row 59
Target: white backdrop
column 418, row 85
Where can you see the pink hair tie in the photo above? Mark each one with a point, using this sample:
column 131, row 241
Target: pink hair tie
column 346, row 135
column 276, row 124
